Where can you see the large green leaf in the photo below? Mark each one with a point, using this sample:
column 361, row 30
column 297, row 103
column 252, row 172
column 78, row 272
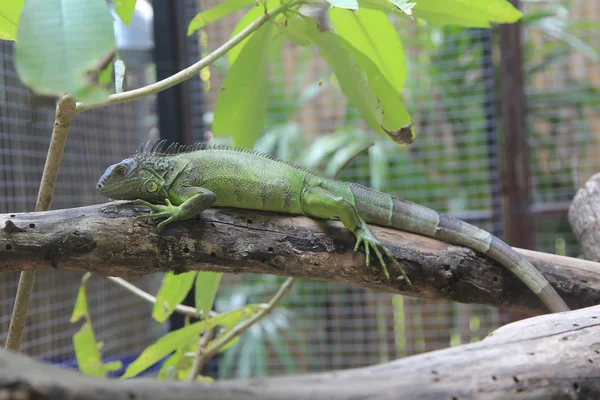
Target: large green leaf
column 472, row 13
column 173, row 340
column 172, row 291
column 241, row 107
column 372, row 33
column 379, row 104
column 213, row 14
column 84, row 341
column 10, row 11
column 125, row 9
column 207, row 284
column 62, row 45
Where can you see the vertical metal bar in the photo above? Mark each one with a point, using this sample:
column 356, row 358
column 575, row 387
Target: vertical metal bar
column 170, row 56
column 491, row 131
column 516, row 182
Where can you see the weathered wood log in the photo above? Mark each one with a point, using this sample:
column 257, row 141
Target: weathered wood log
column 554, row 356
column 584, row 217
column 103, row 239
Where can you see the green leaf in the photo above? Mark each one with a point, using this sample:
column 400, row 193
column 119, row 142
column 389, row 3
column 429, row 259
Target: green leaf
column 124, row 9
column 211, row 15
column 290, row 29
column 372, row 33
column 84, row 342
column 62, row 45
column 378, row 165
column 172, row 291
column 344, row 155
column 379, row 104
column 207, row 284
column 246, row 20
column 173, row 340
column 241, row 106
column 10, row 11
column 347, row 4
column 474, row 13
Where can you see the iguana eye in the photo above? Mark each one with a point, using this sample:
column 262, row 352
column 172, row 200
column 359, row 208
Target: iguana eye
column 120, row 171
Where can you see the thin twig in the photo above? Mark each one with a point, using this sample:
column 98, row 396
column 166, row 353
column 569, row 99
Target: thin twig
column 190, row 71
column 180, row 308
column 241, row 328
column 201, row 357
column 65, row 111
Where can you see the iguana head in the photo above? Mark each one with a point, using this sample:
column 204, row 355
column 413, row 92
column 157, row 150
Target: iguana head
column 130, row 180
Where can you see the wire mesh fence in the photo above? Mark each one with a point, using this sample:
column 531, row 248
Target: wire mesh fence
column 96, row 140
column 454, row 166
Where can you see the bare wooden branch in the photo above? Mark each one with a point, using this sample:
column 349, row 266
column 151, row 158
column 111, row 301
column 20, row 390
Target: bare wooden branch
column 103, row 239
column 65, row 111
column 553, row 356
column 584, row 217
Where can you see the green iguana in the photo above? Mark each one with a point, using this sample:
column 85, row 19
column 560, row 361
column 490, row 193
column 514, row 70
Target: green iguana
column 179, row 182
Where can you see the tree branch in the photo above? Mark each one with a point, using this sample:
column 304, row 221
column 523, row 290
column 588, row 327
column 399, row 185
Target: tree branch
column 547, row 357
column 190, row 71
column 65, row 111
column 584, row 217
column 103, row 239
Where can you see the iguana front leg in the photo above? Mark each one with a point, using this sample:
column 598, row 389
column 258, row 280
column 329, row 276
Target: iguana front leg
column 321, row 203
column 183, row 203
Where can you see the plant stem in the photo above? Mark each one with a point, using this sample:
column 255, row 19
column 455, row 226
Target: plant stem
column 241, row 328
column 201, row 356
column 180, row 308
column 65, row 111
column 192, row 70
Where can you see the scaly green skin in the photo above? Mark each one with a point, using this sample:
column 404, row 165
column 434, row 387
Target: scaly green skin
column 179, row 185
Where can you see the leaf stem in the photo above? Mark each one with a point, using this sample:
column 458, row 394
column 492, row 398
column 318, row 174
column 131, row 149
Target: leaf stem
column 180, row 308
column 201, row 356
column 65, row 111
column 241, row 328
column 192, row 70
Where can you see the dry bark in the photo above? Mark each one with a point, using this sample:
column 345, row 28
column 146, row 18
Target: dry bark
column 554, row 356
column 584, row 217
column 103, row 239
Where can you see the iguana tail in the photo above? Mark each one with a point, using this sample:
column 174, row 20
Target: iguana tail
column 385, row 210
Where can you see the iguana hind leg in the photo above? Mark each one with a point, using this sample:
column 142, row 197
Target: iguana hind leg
column 321, row 203
column 191, row 201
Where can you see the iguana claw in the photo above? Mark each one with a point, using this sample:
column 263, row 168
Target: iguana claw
column 170, row 212
column 365, row 236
